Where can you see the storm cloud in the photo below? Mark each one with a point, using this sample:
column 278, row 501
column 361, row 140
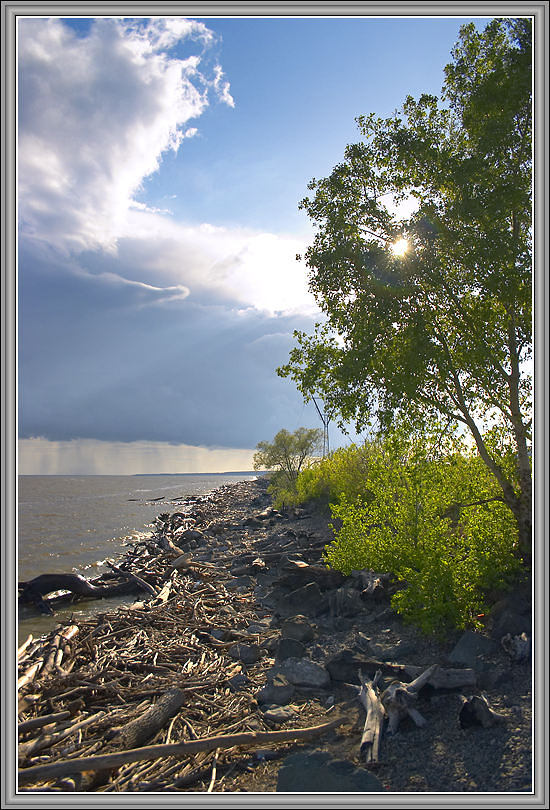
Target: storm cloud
column 134, row 326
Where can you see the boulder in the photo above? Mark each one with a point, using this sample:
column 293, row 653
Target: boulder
column 247, row 653
column 278, row 690
column 470, row 647
column 297, row 573
column 512, row 622
column 278, row 714
column 345, row 666
column 302, row 672
column 299, row 628
column 308, row 599
column 290, row 648
column 318, row 772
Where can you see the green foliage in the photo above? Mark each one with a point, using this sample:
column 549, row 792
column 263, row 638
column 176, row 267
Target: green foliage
column 286, row 455
column 444, row 330
column 426, row 509
column 343, row 472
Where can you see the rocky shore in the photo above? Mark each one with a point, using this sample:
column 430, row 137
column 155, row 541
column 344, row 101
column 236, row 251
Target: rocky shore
column 238, row 670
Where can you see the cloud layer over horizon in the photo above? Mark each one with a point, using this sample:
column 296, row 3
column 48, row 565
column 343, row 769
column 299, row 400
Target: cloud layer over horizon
column 132, row 325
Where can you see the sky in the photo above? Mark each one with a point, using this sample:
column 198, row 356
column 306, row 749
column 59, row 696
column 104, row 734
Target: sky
column 161, row 162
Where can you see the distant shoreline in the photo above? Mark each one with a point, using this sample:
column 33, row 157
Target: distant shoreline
column 137, row 475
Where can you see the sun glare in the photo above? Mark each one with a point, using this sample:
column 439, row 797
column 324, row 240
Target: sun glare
column 400, row 247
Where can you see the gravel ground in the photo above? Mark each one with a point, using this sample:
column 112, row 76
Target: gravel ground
column 441, row 757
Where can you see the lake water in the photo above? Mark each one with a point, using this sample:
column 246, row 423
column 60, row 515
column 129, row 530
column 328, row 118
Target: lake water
column 72, row 523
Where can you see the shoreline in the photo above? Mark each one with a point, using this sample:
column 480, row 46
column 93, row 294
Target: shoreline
column 222, row 631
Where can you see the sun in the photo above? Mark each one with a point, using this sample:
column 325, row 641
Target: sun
column 400, row 247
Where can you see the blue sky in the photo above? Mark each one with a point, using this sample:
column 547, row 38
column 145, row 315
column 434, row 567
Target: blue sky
column 161, row 162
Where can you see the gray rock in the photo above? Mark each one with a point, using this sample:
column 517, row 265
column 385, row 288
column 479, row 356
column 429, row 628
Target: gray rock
column 302, row 672
column 308, row 599
column 278, row 714
column 252, row 521
column 188, row 535
column 345, row 602
column 299, row 628
column 395, row 653
column 256, row 628
column 510, row 621
column 470, row 647
column 247, row 653
column 317, row 772
column 239, row 582
column 290, row 648
column 237, row 682
column 345, row 666
column 278, row 690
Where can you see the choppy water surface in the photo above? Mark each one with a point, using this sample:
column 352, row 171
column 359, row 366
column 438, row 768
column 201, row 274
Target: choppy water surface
column 73, row 523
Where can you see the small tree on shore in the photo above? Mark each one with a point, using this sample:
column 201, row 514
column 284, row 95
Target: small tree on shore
column 286, row 455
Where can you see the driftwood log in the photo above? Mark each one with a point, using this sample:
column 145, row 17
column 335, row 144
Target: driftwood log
column 475, row 711
column 55, row 770
column 350, row 664
column 145, row 726
column 374, row 721
column 399, row 697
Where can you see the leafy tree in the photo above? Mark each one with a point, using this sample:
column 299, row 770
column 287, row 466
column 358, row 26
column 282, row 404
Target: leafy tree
column 287, row 454
column 443, row 330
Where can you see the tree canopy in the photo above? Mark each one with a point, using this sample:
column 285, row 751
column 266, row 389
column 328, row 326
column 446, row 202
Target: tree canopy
column 443, row 329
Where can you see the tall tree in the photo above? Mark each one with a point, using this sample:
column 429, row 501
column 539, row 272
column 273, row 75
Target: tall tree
column 441, row 326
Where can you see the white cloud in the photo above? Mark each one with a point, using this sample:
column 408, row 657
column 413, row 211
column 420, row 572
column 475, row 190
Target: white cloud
column 236, row 265
column 96, row 113
column 222, row 87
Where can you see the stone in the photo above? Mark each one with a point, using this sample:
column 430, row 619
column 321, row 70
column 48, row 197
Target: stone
column 188, row 535
column 394, row 653
column 345, row 666
column 278, row 714
column 278, row 690
column 252, row 521
column 470, row 647
column 308, row 599
column 299, row 628
column 247, row 653
column 318, row 772
column 239, row 582
column 297, row 573
column 237, row 682
column 345, row 602
column 302, row 672
column 290, row 648
column 256, row 628
column 510, row 621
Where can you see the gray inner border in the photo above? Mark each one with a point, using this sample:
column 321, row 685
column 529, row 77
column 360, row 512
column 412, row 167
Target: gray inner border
column 10, row 12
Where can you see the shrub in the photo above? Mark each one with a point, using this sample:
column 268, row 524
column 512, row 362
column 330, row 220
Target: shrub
column 434, row 519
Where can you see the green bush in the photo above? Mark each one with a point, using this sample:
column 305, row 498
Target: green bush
column 431, row 517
